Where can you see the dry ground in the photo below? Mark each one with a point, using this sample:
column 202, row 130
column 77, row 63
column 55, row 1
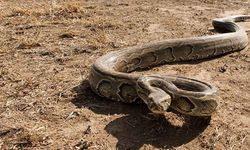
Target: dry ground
column 47, row 47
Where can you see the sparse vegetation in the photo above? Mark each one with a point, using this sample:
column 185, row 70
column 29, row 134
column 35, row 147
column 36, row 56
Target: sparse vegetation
column 47, row 47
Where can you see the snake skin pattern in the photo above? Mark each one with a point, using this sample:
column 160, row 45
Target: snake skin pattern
column 111, row 77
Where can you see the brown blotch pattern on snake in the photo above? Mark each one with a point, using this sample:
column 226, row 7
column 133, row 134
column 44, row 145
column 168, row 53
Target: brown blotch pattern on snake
column 148, row 59
column 105, row 88
column 208, row 104
column 182, row 52
column 185, row 104
column 127, row 92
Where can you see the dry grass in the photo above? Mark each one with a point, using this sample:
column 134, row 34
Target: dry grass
column 47, row 48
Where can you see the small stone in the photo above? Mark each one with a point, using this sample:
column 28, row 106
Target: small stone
column 223, row 69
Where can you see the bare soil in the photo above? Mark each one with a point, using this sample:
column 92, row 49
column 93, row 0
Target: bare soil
column 47, row 48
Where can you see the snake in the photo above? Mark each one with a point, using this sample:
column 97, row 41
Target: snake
column 115, row 75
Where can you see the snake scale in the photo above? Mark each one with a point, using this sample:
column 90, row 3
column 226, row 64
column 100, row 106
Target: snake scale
column 111, row 77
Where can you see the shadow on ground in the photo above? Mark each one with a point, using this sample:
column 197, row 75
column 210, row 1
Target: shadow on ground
column 138, row 127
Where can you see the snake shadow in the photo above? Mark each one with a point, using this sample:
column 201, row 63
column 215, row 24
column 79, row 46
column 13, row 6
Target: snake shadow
column 137, row 126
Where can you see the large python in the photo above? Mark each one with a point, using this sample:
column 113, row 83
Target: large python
column 111, row 77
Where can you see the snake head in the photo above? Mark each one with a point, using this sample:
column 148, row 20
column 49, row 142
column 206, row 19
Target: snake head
column 157, row 100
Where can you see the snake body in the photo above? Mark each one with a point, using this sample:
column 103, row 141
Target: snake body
column 111, row 77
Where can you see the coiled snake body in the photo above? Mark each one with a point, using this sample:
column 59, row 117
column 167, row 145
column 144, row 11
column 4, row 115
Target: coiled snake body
column 110, row 75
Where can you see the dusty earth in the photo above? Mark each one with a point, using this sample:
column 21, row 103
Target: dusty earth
column 47, row 48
